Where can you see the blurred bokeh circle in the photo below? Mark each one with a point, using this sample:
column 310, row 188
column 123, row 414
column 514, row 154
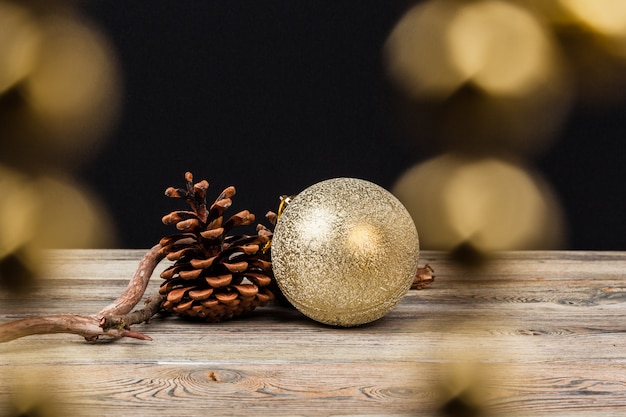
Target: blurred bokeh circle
column 487, row 204
column 59, row 87
column 482, row 76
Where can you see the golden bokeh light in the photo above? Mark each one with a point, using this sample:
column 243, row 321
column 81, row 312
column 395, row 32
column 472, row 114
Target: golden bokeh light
column 20, row 264
column 474, row 369
column 18, row 206
column 442, row 44
column 33, row 391
column 70, row 216
column 416, row 52
column 60, row 92
column 46, row 212
column 484, row 203
column 500, row 47
column 592, row 35
column 59, row 86
column 50, row 212
column 19, row 44
column 73, row 90
column 607, row 17
column 485, row 76
column 597, row 46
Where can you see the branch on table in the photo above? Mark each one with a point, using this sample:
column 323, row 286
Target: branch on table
column 112, row 321
column 86, row 326
column 124, row 321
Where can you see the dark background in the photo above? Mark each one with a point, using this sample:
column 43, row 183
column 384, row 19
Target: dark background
column 273, row 96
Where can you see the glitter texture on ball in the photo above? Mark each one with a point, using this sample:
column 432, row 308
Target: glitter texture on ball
column 345, row 252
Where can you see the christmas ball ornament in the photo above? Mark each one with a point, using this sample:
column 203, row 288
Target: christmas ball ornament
column 344, row 251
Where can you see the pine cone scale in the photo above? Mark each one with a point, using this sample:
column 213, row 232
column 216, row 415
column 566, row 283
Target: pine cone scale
column 202, row 263
column 201, row 295
column 219, row 281
column 176, row 296
column 188, row 275
column 227, row 297
column 236, row 267
column 259, row 279
column 212, row 233
column 247, row 290
column 250, row 249
column 188, row 224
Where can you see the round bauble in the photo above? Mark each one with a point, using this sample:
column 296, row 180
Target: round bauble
column 345, row 251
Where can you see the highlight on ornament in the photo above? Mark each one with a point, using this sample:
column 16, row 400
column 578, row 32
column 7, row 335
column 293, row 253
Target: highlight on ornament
column 362, row 242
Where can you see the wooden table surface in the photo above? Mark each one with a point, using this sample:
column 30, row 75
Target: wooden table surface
column 531, row 334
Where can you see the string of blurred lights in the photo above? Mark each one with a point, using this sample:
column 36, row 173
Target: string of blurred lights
column 59, row 95
column 487, row 82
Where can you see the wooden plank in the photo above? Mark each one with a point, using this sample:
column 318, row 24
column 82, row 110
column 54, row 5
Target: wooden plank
column 534, row 333
column 220, row 388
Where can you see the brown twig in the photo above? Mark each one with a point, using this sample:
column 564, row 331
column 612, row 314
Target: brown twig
column 423, row 278
column 86, row 326
column 91, row 327
column 136, row 286
column 124, row 321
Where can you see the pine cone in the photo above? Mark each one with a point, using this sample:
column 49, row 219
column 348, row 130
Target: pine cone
column 215, row 276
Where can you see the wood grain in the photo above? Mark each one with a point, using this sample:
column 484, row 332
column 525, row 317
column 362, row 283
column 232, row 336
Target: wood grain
column 530, row 334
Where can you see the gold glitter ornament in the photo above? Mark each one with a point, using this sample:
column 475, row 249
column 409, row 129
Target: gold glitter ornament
column 345, row 251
